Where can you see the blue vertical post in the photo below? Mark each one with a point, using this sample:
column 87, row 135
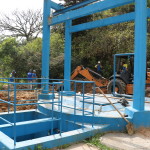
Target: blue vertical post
column 46, row 45
column 67, row 57
column 14, row 127
column 114, row 78
column 83, row 104
column 93, row 104
column 75, row 101
column 140, row 54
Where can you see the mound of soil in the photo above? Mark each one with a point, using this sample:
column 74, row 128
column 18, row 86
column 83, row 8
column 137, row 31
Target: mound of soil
column 22, row 97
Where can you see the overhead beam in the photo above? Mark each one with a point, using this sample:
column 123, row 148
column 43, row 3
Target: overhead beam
column 81, row 4
column 90, row 9
column 56, row 6
column 103, row 22
column 67, row 56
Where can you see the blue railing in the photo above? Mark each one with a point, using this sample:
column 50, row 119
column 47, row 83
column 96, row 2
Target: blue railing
column 12, row 88
column 84, row 97
column 54, row 84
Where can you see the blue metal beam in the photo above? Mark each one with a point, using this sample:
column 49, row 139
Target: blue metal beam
column 56, row 6
column 46, row 45
column 90, row 9
column 67, row 57
column 81, row 4
column 140, row 54
column 103, row 22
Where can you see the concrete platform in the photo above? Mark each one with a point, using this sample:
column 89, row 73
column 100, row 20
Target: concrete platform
column 121, row 141
column 102, row 108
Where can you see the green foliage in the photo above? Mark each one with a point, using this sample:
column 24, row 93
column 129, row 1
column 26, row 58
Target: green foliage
column 29, row 56
column 95, row 141
column 57, row 55
column 88, row 47
column 57, row 44
column 101, row 44
column 72, row 2
column 38, row 147
column 8, row 51
column 22, row 57
column 64, row 146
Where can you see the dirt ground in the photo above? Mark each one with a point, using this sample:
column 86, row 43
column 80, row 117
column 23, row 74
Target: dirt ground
column 21, row 98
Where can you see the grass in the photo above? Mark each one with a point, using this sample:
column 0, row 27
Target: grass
column 64, row 146
column 40, row 147
column 95, row 141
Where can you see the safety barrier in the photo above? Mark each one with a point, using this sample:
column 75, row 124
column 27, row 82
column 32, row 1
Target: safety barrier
column 56, row 100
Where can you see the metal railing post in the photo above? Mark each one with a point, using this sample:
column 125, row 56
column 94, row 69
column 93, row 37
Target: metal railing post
column 93, row 104
column 83, row 105
column 14, row 114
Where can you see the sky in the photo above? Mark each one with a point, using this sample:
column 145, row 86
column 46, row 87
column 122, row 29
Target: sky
column 7, row 6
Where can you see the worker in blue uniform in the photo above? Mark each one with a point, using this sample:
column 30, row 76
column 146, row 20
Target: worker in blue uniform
column 98, row 66
column 12, row 76
column 29, row 76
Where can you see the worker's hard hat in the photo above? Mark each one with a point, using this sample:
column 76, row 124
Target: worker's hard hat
column 34, row 70
column 99, row 62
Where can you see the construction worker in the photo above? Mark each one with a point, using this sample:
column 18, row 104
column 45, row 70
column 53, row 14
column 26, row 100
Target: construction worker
column 29, row 76
column 12, row 76
column 124, row 67
column 11, row 79
column 34, row 77
column 98, row 66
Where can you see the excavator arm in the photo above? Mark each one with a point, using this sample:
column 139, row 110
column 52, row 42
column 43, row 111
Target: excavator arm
column 87, row 73
column 76, row 71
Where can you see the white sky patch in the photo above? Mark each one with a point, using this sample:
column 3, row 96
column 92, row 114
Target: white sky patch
column 7, row 6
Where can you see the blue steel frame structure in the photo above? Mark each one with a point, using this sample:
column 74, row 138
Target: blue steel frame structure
column 66, row 15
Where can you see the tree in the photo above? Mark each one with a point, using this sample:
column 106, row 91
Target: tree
column 24, row 24
column 57, row 55
column 21, row 58
column 72, row 2
column 8, row 52
column 29, row 57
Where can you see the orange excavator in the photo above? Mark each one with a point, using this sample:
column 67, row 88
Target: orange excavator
column 90, row 75
column 123, row 81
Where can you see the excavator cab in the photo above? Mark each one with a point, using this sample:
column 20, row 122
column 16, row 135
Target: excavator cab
column 123, row 73
column 125, row 67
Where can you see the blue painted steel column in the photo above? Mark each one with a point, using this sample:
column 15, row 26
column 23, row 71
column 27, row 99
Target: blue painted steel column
column 140, row 53
column 67, row 57
column 46, row 45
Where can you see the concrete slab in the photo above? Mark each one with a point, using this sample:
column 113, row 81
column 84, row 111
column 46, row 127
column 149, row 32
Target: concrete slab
column 121, row 141
column 102, row 107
